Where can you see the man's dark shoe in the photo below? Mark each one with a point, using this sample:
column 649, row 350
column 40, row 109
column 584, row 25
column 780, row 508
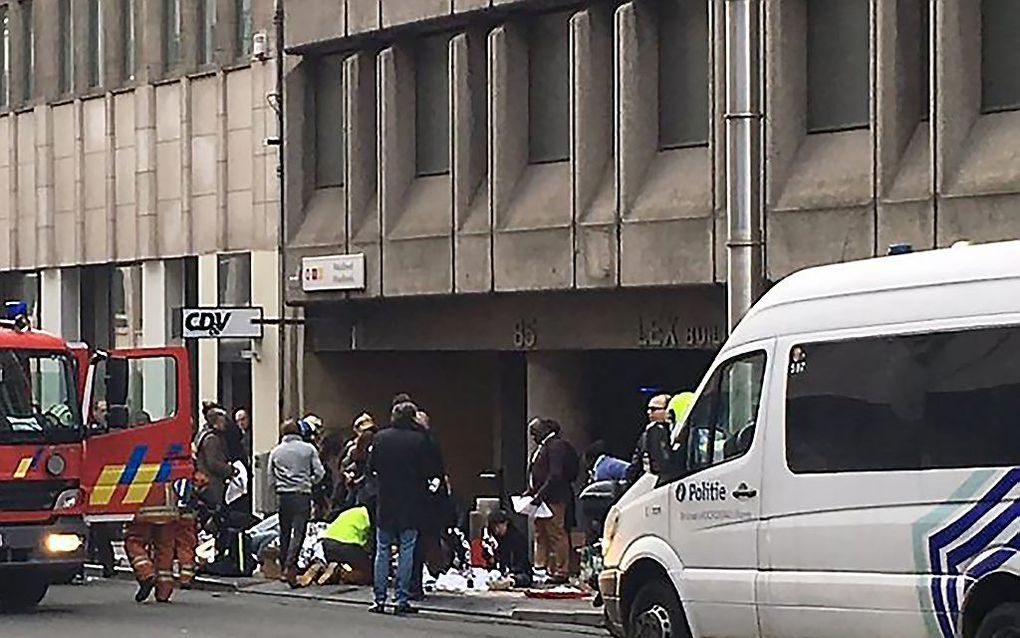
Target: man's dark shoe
column 417, row 596
column 145, row 590
column 405, row 609
column 377, row 608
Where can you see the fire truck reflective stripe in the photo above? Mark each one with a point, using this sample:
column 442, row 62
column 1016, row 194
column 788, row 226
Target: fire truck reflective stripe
column 36, row 458
column 23, row 467
column 139, row 489
column 135, row 462
column 165, row 469
column 106, row 485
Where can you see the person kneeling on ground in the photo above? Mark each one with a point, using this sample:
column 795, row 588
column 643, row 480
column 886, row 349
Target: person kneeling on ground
column 512, row 558
column 346, row 544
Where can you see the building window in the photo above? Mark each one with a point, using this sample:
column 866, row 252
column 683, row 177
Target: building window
column 329, row 122
column 171, row 33
column 96, row 49
column 5, row 56
column 206, row 31
column 432, row 105
column 838, row 65
column 683, row 73
column 28, row 49
column 130, row 52
column 1000, row 66
column 244, row 28
column 905, row 403
column 65, row 39
column 549, row 88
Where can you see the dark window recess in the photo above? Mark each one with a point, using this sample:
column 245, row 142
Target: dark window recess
column 838, row 65
column 65, row 41
column 329, row 122
column 1000, row 65
column 28, row 49
column 432, row 105
column 918, row 402
column 684, row 102
column 549, row 88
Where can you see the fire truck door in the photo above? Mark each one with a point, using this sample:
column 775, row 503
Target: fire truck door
column 139, row 439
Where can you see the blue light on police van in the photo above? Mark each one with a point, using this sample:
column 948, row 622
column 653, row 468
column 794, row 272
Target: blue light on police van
column 15, row 309
column 900, row 249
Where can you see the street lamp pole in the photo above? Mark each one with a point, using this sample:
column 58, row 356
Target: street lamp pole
column 281, row 231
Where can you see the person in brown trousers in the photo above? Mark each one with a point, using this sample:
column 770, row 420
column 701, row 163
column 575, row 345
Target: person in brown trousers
column 554, row 466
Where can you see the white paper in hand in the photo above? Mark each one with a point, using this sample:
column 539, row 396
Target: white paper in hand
column 526, row 506
column 237, row 486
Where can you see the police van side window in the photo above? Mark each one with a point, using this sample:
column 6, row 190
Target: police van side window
column 722, row 422
column 912, row 402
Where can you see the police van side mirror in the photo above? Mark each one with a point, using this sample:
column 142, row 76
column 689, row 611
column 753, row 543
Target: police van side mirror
column 116, row 383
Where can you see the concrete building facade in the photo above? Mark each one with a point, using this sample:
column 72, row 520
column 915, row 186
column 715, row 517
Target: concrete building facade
column 538, row 187
column 134, row 179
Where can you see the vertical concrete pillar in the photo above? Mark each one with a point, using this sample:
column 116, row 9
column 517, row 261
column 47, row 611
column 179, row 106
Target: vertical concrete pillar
column 162, row 294
column 266, row 385
column 265, row 376
column 556, row 390
column 208, row 353
column 61, row 302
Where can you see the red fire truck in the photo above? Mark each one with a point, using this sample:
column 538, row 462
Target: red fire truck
column 84, row 436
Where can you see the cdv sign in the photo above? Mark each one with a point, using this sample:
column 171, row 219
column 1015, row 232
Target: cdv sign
column 222, row 323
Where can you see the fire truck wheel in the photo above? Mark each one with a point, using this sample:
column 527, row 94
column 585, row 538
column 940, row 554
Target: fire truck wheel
column 24, row 597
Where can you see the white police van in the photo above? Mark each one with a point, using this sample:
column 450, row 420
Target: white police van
column 850, row 468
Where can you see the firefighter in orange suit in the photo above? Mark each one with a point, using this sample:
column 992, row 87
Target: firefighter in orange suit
column 149, row 543
column 155, row 535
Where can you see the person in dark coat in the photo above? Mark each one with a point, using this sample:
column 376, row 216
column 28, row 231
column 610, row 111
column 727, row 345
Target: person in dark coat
column 437, row 511
column 512, row 557
column 653, row 451
column 212, row 461
column 399, row 462
column 554, row 466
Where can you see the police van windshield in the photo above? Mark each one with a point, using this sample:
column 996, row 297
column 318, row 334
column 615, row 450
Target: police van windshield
column 38, row 398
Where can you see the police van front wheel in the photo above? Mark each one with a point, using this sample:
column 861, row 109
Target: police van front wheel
column 656, row 613
column 1001, row 622
column 24, row 596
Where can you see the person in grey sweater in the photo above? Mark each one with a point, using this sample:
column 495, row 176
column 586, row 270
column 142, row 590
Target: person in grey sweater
column 294, row 467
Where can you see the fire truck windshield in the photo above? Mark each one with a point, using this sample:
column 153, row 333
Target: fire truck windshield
column 38, row 398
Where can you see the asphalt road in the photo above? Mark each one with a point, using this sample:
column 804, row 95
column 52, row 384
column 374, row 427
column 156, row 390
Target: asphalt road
column 105, row 609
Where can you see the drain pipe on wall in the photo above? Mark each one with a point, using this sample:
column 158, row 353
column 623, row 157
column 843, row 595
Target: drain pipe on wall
column 283, row 353
column 744, row 165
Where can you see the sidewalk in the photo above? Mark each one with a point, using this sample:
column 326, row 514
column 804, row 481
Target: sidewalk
column 495, row 606
column 506, row 606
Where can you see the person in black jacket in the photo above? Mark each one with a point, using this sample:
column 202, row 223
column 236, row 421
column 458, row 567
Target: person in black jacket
column 653, row 451
column 512, row 557
column 399, row 462
column 554, row 466
column 436, row 513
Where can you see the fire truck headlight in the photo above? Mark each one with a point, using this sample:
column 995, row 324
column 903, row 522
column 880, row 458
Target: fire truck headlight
column 63, row 543
column 68, row 500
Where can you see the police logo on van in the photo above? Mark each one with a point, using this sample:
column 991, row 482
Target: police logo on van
column 701, row 492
